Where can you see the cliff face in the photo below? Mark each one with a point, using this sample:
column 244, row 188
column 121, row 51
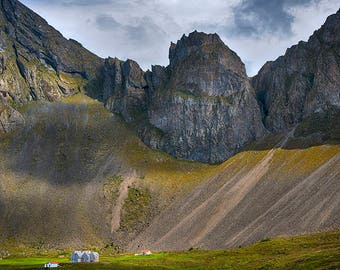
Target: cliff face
column 202, row 104
column 10, row 119
column 303, row 81
column 201, row 107
column 81, row 164
column 124, row 88
column 36, row 61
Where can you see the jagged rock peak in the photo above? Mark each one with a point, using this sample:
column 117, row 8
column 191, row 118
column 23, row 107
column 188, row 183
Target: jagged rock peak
column 194, row 39
column 304, row 81
column 37, row 62
column 199, row 45
column 197, row 106
column 328, row 33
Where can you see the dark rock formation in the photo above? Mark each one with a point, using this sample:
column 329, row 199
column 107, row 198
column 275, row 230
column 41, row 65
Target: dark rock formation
column 124, row 88
column 201, row 107
column 36, row 61
column 10, row 119
column 303, row 81
column 202, row 104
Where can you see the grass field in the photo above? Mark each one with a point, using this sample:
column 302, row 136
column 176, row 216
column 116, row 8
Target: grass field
column 318, row 251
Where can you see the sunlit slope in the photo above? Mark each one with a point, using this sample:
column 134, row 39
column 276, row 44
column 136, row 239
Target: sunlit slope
column 287, row 184
column 317, row 251
column 63, row 173
column 77, row 176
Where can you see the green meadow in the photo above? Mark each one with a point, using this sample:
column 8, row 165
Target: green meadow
column 318, row 251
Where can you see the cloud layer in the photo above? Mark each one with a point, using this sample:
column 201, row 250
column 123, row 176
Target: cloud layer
column 258, row 30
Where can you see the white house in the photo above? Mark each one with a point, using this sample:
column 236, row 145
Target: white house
column 51, row 265
column 76, row 256
column 84, row 256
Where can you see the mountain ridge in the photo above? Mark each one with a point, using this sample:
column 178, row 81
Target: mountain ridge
column 66, row 156
column 192, row 108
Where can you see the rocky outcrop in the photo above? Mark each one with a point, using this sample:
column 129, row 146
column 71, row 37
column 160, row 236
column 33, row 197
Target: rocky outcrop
column 303, row 81
column 124, row 88
column 201, row 106
column 36, row 61
column 10, row 119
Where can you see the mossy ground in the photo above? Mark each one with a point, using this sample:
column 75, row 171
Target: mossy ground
column 318, row 251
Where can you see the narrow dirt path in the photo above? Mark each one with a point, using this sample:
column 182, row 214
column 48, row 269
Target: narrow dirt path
column 123, row 194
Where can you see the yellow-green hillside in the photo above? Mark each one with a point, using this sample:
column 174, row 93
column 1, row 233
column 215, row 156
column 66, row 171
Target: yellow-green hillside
column 77, row 175
column 319, row 251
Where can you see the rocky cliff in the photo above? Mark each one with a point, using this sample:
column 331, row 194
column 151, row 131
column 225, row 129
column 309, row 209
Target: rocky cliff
column 37, row 62
column 303, row 81
column 75, row 161
column 200, row 107
column 124, row 88
column 10, row 119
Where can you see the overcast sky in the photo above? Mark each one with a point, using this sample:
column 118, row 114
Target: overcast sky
column 257, row 30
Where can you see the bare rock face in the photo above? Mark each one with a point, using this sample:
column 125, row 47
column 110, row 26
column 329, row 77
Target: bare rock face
column 124, row 88
column 10, row 119
column 303, row 81
column 36, row 61
column 201, row 107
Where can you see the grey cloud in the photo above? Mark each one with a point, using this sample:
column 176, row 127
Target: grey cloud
column 116, row 3
column 135, row 31
column 138, row 30
column 85, row 2
column 142, row 29
column 255, row 17
column 112, row 3
column 106, row 22
column 145, row 31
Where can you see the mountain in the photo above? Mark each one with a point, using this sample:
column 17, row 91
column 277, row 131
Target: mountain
column 37, row 62
column 76, row 171
column 201, row 107
column 304, row 81
column 285, row 184
column 203, row 104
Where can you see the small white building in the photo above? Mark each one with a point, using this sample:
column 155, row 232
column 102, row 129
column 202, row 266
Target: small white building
column 51, row 265
column 84, row 256
column 76, row 256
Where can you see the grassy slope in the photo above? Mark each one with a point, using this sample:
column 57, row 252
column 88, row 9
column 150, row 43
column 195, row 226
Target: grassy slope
column 62, row 164
column 50, row 165
column 257, row 193
column 319, row 251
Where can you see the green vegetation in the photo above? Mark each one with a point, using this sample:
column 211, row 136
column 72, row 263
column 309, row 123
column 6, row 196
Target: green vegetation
column 111, row 187
column 137, row 209
column 185, row 94
column 318, row 251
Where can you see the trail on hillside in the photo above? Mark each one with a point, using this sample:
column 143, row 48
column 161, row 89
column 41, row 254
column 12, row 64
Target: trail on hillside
column 118, row 205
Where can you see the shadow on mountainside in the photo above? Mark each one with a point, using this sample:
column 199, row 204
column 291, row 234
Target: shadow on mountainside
column 318, row 129
column 69, row 143
column 65, row 143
